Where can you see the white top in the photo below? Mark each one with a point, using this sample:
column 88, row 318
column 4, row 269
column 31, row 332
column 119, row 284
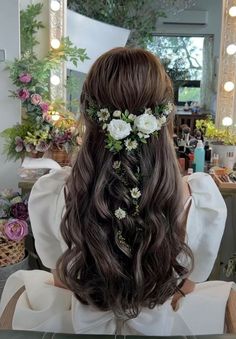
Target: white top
column 50, row 308
column 205, row 222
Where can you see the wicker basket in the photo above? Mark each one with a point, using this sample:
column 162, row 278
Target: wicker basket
column 60, row 156
column 11, row 252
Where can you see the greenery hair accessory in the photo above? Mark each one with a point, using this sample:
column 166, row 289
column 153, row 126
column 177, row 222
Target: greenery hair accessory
column 127, row 131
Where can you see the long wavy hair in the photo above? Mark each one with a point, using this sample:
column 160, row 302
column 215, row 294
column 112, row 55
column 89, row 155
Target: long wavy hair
column 96, row 266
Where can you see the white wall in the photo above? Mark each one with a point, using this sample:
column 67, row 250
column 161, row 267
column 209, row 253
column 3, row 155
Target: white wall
column 9, row 108
column 214, row 8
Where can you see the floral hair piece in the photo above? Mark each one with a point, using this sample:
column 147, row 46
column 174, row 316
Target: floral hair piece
column 127, row 131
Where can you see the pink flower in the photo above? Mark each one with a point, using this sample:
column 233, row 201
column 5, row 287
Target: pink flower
column 25, row 78
column 23, row 94
column 16, row 229
column 19, row 144
column 47, row 117
column 36, row 99
column 44, row 106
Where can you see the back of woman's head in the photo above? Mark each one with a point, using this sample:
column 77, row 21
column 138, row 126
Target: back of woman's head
column 123, row 245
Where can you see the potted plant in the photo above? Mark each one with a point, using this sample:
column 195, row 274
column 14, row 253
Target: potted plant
column 13, row 231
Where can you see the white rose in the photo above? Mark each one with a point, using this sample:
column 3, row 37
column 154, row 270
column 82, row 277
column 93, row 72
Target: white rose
column 146, row 123
column 119, row 129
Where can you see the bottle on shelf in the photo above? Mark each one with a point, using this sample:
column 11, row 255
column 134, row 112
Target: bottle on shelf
column 199, row 156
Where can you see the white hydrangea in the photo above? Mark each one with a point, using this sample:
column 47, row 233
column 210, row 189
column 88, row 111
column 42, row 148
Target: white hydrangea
column 120, row 214
column 146, row 123
column 103, row 114
column 131, row 144
column 119, row 129
column 135, row 193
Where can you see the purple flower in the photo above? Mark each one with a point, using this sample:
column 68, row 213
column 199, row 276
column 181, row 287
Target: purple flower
column 29, row 148
column 16, row 229
column 4, row 208
column 23, row 94
column 25, row 78
column 44, row 106
column 42, row 146
column 19, row 211
column 36, row 99
column 19, row 144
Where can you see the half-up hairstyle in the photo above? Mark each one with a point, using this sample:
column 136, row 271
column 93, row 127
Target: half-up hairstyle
column 133, row 262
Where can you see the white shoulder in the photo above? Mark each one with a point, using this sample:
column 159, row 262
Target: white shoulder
column 46, row 205
column 205, row 224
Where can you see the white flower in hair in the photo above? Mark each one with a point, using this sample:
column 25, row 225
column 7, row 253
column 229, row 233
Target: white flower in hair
column 168, row 108
column 131, row 144
column 104, row 126
column 146, row 123
column 135, row 193
column 116, row 114
column 120, row 214
column 103, row 114
column 116, row 164
column 148, row 111
column 143, row 136
column 162, row 120
column 119, row 129
column 132, row 117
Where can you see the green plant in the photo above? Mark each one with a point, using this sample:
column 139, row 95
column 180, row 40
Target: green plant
column 44, row 123
column 221, row 136
column 29, row 26
column 140, row 16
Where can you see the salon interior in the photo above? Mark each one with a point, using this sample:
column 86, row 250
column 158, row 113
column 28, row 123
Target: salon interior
column 47, row 48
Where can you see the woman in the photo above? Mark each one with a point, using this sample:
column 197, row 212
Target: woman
column 122, row 231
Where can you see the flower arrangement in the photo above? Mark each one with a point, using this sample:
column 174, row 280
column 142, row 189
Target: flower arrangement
column 45, row 124
column 124, row 130
column 221, row 136
column 13, row 216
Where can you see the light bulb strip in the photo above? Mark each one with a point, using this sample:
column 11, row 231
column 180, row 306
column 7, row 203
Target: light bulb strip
column 57, row 31
column 226, row 98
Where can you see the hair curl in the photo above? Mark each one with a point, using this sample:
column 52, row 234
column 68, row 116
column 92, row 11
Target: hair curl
column 96, row 266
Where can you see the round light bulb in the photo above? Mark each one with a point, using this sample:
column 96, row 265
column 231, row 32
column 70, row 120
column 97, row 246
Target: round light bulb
column 55, row 43
column 228, row 86
column 55, row 116
column 231, row 49
column 227, row 121
column 55, row 80
column 232, row 11
column 55, row 5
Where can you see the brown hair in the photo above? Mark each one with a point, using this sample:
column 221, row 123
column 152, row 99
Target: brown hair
column 97, row 267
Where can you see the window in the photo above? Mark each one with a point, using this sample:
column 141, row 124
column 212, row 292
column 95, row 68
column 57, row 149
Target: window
column 182, row 57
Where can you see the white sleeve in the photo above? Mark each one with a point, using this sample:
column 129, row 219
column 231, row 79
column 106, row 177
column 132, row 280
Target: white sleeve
column 205, row 224
column 46, row 204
